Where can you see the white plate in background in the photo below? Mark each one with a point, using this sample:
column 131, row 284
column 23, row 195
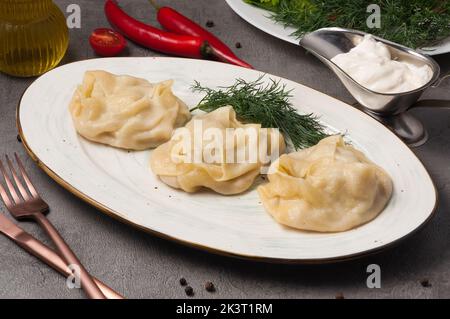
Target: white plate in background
column 260, row 19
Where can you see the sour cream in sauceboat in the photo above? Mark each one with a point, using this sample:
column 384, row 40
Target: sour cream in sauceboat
column 370, row 64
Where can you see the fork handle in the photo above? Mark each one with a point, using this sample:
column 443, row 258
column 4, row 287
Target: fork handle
column 87, row 283
column 48, row 256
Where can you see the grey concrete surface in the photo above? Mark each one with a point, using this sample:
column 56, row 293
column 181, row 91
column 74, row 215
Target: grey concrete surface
column 142, row 266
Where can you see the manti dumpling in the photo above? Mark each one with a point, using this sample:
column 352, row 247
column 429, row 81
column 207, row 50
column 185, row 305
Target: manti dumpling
column 231, row 170
column 126, row 112
column 329, row 187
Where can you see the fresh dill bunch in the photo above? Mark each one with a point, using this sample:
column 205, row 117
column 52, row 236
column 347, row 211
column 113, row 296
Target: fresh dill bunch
column 413, row 23
column 267, row 105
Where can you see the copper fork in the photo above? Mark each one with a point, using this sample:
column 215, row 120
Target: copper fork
column 44, row 253
column 31, row 206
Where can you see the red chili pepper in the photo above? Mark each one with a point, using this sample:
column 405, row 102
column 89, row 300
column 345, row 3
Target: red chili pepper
column 156, row 39
column 174, row 21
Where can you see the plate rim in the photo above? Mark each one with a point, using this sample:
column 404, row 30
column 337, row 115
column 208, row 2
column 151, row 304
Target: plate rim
column 288, row 39
column 116, row 215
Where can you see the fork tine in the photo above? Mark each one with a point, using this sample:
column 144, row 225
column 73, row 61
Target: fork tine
column 19, row 184
column 4, row 195
column 25, row 177
column 11, row 188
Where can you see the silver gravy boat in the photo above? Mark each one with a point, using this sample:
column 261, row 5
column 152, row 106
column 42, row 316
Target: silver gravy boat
column 388, row 108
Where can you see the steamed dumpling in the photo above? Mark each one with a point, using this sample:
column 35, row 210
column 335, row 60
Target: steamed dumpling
column 223, row 174
column 329, row 187
column 126, row 112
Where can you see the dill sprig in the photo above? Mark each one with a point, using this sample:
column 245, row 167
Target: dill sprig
column 413, row 23
column 267, row 105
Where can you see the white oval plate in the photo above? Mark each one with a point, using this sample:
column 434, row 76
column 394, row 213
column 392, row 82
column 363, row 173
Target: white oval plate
column 121, row 184
column 260, row 19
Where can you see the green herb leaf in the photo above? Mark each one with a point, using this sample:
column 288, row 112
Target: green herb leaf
column 413, row 23
column 267, row 105
column 265, row 4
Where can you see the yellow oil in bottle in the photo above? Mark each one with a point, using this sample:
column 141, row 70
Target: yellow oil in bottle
column 33, row 36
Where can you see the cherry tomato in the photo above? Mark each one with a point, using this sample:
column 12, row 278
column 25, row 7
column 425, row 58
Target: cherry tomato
column 107, row 42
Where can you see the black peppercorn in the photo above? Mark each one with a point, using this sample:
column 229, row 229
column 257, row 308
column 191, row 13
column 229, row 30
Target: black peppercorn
column 425, row 283
column 210, row 23
column 340, row 296
column 238, row 45
column 183, row 282
column 209, row 286
column 189, row 291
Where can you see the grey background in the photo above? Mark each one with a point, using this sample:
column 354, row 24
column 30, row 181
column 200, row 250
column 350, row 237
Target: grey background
column 142, row 266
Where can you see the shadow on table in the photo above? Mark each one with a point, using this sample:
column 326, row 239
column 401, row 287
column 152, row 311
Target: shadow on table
column 419, row 254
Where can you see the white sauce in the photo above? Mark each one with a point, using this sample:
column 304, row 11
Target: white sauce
column 371, row 65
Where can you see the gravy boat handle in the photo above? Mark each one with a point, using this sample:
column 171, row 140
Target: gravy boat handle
column 434, row 103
